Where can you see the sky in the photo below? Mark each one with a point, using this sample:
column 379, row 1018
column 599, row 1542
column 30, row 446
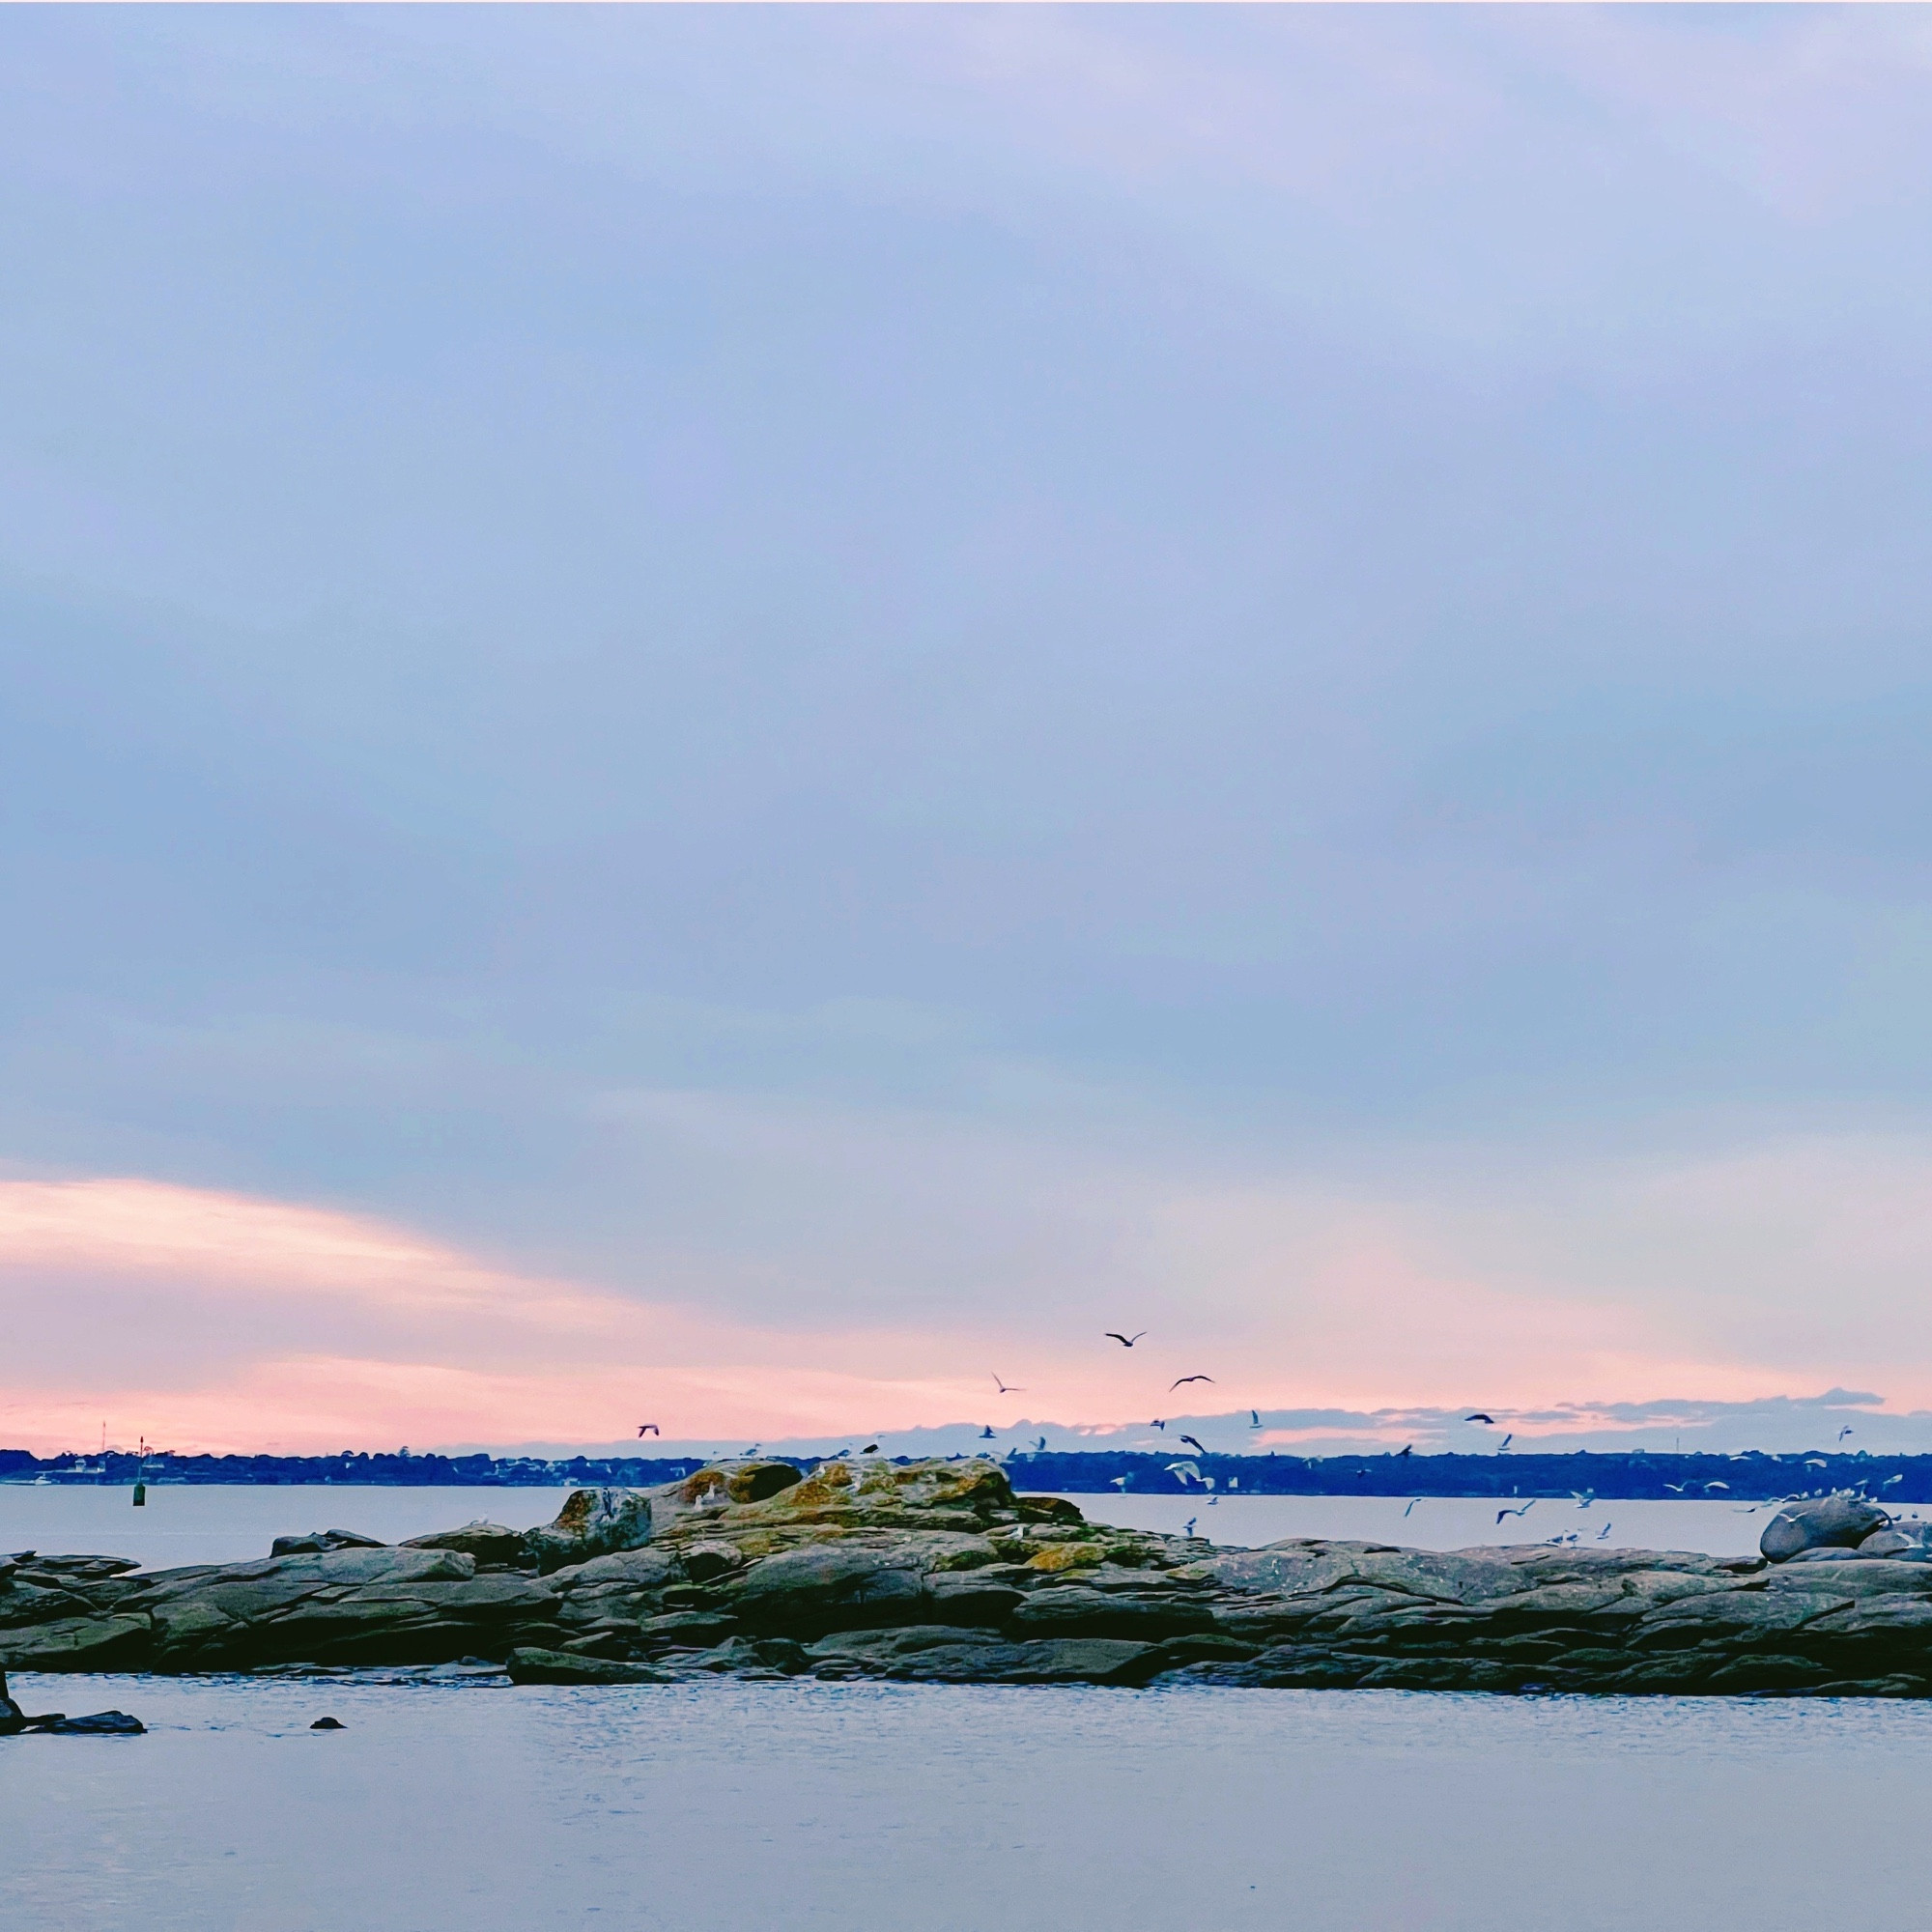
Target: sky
column 747, row 718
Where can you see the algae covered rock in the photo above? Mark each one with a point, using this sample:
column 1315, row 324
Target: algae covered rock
column 592, row 1522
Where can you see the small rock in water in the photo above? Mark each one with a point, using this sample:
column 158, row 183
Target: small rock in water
column 101, row 1724
column 329, row 1724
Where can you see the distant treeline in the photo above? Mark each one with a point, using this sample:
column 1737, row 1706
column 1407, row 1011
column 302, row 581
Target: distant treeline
column 1753, row 1477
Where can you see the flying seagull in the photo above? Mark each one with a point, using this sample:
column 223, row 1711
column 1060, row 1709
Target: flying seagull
column 1006, row 1389
column 986, row 1434
column 1844, row 1432
column 1524, row 1511
column 1479, row 1416
column 1253, row 1418
column 1125, row 1341
column 1506, row 1442
column 647, row 1429
column 1187, row 1528
column 1185, row 1380
column 1040, row 1447
column 1120, row 1483
column 1200, row 1448
column 1604, row 1531
column 1413, row 1501
column 1183, row 1470
column 1405, row 1448
column 1157, row 1423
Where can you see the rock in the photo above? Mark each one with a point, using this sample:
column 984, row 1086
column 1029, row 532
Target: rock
column 833, row 1586
column 534, row 1665
column 758, row 1482
column 936, row 1572
column 1081, row 1612
column 317, row 1542
column 494, row 1546
column 592, row 1522
column 936, row 1655
column 629, row 1569
column 328, row 1724
column 1838, row 1522
column 79, row 1643
column 1892, row 1542
column 101, row 1724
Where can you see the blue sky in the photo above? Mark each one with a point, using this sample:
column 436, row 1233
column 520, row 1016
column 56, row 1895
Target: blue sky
column 883, row 686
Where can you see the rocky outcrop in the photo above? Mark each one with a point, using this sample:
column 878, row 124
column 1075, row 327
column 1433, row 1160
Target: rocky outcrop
column 937, row 1572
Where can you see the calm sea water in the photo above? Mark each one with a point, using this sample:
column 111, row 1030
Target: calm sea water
column 869, row 1808
column 765, row 1807
column 191, row 1524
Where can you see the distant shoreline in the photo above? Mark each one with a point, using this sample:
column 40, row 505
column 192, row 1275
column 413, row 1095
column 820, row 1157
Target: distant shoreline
column 1635, row 1477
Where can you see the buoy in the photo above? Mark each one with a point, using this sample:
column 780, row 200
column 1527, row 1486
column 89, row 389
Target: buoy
column 140, row 1495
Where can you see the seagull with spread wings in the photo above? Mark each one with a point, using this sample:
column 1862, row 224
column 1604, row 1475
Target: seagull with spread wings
column 1125, row 1341
column 1185, row 1380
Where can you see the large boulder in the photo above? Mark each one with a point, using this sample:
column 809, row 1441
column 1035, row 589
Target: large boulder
column 494, row 1546
column 592, row 1522
column 1820, row 1522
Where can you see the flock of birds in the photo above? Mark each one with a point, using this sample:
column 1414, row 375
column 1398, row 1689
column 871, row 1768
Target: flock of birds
column 1188, row 1470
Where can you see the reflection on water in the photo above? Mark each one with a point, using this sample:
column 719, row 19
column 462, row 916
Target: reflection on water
column 735, row 1808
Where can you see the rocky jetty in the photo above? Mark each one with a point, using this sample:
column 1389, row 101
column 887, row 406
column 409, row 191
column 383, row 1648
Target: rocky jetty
column 937, row 1571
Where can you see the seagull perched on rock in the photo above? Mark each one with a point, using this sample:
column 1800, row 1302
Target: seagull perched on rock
column 870, row 1449
column 1185, row 1380
column 1125, row 1341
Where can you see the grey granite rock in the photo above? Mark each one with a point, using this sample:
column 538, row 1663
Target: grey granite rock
column 494, row 1546
column 1836, row 1522
column 592, row 1522
column 319, row 1541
